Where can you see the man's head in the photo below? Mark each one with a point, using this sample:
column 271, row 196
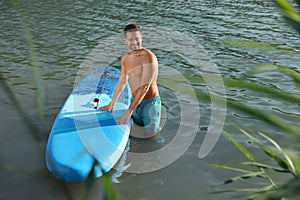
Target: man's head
column 133, row 36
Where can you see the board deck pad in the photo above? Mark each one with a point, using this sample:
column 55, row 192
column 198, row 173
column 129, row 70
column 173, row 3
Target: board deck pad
column 82, row 138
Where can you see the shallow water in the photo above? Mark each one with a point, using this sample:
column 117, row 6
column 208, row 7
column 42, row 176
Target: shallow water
column 65, row 34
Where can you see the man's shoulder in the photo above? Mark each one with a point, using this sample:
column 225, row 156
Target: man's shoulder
column 125, row 54
column 149, row 52
column 149, row 56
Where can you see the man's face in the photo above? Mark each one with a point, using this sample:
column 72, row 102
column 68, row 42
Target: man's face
column 134, row 40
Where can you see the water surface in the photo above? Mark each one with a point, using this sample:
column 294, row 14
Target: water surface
column 65, row 32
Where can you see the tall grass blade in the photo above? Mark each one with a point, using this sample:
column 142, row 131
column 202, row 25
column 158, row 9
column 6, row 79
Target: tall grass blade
column 285, row 5
column 23, row 115
column 280, row 94
column 250, row 44
column 260, row 192
column 289, row 13
column 289, row 191
column 111, row 194
column 294, row 155
column 250, row 190
column 291, row 72
column 231, row 168
column 264, row 166
column 288, row 160
column 271, row 119
column 66, row 190
column 269, row 151
column 89, row 183
column 34, row 63
column 244, row 177
column 295, row 75
column 239, row 146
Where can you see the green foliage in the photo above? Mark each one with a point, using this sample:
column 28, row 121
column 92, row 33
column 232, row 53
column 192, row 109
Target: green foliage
column 271, row 92
column 23, row 115
column 287, row 160
column 34, row 63
column 111, row 193
column 289, row 13
column 256, row 45
column 285, row 164
column 283, row 69
column 290, row 190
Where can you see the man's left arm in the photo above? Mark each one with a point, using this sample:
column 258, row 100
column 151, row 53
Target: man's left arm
column 149, row 75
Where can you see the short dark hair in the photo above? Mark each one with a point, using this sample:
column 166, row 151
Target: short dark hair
column 131, row 28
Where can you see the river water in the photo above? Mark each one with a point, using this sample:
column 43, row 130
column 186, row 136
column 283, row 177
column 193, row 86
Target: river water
column 64, row 35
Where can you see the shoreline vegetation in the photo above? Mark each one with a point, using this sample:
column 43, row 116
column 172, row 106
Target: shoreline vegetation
column 285, row 160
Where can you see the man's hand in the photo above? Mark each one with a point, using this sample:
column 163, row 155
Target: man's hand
column 109, row 107
column 125, row 117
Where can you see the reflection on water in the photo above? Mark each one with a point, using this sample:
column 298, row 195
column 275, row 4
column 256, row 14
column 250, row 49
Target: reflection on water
column 65, row 32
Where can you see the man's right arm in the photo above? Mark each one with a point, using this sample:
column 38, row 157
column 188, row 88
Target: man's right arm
column 119, row 88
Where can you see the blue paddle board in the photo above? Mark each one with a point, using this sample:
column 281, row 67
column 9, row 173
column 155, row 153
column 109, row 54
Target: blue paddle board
column 83, row 138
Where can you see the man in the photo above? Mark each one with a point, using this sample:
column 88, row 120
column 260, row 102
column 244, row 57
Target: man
column 139, row 66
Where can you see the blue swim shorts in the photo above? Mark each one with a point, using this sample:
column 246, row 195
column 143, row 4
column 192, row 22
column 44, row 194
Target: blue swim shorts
column 147, row 114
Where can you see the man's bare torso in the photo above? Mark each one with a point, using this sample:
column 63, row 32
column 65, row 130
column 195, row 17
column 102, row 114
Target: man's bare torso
column 135, row 63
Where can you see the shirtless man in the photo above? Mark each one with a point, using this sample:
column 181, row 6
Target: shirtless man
column 139, row 66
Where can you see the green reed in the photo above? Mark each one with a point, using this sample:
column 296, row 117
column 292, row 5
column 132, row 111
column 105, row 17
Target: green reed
column 37, row 80
column 111, row 193
column 289, row 12
column 286, row 160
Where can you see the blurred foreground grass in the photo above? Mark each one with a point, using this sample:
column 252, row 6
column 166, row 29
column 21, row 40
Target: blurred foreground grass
column 35, row 129
column 286, row 160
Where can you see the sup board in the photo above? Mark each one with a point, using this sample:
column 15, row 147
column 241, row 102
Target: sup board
column 82, row 137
